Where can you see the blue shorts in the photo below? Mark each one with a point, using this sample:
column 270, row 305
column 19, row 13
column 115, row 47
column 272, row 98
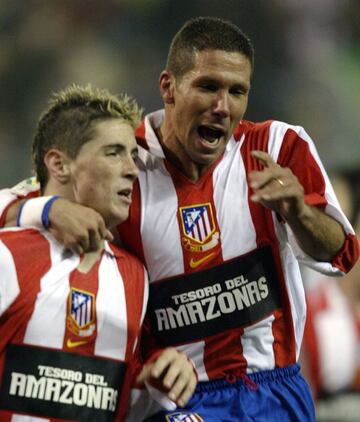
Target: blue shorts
column 279, row 395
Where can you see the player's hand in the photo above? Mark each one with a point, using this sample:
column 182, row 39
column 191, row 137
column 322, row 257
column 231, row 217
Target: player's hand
column 78, row 228
column 172, row 372
column 277, row 188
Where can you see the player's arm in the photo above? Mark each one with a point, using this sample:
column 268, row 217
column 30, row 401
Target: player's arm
column 75, row 226
column 11, row 214
column 277, row 188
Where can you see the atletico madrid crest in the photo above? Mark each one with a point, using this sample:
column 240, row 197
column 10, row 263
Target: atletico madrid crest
column 198, row 222
column 81, row 320
column 199, row 228
column 184, row 417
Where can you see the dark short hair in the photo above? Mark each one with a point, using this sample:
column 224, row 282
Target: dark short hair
column 205, row 33
column 67, row 124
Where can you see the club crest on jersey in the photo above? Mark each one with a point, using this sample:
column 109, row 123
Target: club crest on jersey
column 81, row 314
column 184, row 417
column 198, row 226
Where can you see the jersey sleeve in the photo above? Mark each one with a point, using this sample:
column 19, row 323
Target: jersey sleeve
column 27, row 188
column 299, row 153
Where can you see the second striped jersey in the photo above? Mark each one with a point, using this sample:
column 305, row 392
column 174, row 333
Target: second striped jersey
column 68, row 329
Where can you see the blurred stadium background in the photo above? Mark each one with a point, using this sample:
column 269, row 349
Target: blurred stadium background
column 307, row 67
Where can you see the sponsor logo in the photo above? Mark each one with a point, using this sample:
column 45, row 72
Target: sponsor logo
column 194, row 263
column 212, row 302
column 71, row 344
column 235, row 294
column 198, row 227
column 59, row 384
column 183, row 417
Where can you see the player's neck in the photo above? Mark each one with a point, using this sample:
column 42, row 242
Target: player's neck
column 176, row 154
column 55, row 188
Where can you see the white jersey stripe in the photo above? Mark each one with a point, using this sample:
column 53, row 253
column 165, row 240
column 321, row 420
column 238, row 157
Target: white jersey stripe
column 161, row 200
column 259, row 358
column 51, row 317
column 9, row 285
column 166, row 228
column 277, row 131
column 111, row 339
column 226, row 191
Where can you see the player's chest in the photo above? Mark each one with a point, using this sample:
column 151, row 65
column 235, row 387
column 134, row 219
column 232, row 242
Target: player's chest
column 186, row 226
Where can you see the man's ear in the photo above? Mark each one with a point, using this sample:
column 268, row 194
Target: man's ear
column 167, row 86
column 57, row 163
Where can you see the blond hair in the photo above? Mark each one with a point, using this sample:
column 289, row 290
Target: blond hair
column 68, row 121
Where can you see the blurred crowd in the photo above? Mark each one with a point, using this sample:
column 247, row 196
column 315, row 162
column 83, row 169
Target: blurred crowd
column 330, row 357
column 307, row 72
column 307, row 68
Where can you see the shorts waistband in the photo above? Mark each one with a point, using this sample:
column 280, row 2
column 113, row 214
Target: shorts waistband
column 249, row 379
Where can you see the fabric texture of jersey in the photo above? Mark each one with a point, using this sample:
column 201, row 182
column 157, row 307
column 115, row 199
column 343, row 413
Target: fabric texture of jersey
column 220, row 400
column 50, row 308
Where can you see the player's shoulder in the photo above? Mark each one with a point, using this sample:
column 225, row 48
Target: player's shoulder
column 246, row 127
column 260, row 133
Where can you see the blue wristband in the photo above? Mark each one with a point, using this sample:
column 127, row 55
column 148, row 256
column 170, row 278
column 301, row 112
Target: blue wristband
column 19, row 214
column 45, row 212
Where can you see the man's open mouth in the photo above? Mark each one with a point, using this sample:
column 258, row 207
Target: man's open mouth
column 210, row 133
column 125, row 192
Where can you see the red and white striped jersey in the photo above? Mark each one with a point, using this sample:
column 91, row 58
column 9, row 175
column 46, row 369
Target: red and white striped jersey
column 67, row 331
column 225, row 285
